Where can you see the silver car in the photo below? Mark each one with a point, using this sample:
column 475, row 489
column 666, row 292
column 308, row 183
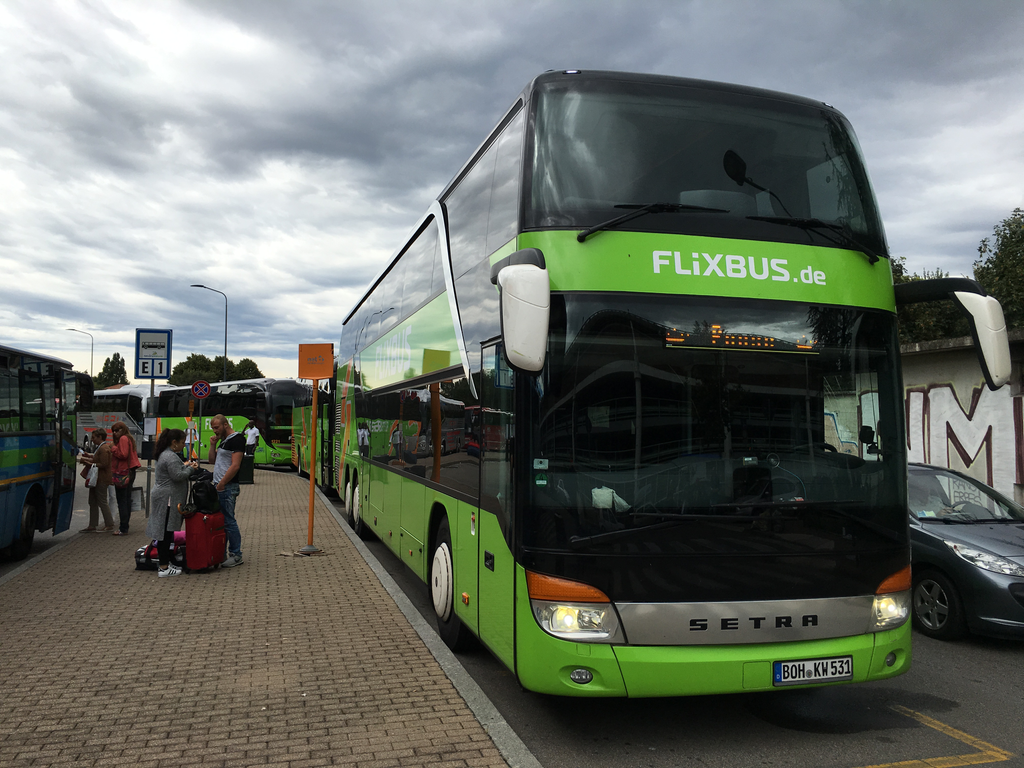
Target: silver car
column 967, row 541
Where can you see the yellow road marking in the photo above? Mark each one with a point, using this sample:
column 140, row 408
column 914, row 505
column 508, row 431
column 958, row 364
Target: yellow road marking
column 987, row 753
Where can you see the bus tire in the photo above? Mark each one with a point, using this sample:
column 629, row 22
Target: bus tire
column 442, row 592
column 21, row 547
column 348, row 505
column 360, row 528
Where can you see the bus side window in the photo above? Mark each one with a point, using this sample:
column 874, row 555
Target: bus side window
column 10, row 415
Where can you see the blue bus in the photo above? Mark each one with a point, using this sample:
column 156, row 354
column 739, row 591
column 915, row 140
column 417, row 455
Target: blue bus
column 39, row 399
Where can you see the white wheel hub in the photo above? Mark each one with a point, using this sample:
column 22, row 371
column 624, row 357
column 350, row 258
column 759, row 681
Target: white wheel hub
column 441, row 581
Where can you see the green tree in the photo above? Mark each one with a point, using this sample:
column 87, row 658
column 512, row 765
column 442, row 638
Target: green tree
column 113, row 373
column 193, row 368
column 247, row 369
column 929, row 320
column 1000, row 267
column 201, row 368
column 221, row 370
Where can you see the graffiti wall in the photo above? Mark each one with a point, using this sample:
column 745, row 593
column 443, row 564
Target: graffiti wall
column 955, row 421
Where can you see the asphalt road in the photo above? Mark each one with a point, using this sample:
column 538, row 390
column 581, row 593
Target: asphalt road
column 962, row 703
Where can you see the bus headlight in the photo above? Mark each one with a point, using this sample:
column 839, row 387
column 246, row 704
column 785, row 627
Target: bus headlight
column 583, row 622
column 891, row 606
column 890, row 611
column 573, row 611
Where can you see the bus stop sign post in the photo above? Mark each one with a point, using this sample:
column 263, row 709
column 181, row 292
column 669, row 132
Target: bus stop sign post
column 316, row 362
column 152, row 361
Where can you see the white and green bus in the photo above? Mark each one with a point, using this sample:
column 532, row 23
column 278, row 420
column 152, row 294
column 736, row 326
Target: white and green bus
column 666, row 311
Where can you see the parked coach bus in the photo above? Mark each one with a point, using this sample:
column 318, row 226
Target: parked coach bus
column 129, row 403
column 39, row 399
column 668, row 304
column 268, row 402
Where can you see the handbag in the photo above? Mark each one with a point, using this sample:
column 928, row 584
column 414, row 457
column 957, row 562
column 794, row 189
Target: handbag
column 122, row 479
column 92, row 476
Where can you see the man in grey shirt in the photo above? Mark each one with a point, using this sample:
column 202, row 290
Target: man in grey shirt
column 226, row 457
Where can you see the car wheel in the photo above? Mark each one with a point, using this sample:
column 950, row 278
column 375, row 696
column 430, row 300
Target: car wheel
column 442, row 593
column 938, row 609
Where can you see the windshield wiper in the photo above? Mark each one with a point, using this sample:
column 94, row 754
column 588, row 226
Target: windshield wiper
column 846, row 237
column 643, row 210
column 948, row 519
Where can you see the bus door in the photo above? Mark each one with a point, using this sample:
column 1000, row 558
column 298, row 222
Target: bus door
column 497, row 566
column 62, row 501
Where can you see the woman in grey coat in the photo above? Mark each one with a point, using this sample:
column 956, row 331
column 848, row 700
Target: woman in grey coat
column 170, row 490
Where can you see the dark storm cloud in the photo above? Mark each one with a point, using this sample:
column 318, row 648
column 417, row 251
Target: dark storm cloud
column 282, row 151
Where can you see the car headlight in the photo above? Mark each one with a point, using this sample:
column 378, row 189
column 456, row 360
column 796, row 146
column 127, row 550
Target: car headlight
column 986, row 560
column 890, row 610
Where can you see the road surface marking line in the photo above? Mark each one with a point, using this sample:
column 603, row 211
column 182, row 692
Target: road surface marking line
column 987, row 753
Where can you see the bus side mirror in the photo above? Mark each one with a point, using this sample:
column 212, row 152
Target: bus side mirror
column 983, row 312
column 525, row 290
column 988, row 327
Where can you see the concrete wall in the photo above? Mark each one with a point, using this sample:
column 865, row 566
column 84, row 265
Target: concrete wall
column 954, row 420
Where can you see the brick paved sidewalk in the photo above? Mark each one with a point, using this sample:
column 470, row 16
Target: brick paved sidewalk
column 281, row 661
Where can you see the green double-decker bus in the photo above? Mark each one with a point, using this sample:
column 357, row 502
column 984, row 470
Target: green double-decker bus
column 628, row 398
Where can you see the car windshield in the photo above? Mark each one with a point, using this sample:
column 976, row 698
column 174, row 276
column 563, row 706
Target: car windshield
column 945, row 496
column 712, row 161
column 664, row 413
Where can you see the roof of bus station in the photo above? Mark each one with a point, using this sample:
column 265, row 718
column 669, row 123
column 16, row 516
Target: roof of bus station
column 285, row 660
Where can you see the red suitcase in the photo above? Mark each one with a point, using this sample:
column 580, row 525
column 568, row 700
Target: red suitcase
column 205, row 541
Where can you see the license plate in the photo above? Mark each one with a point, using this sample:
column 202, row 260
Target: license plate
column 808, row 671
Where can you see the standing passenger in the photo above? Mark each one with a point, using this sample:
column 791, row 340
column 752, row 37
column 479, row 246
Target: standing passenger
column 226, row 458
column 252, row 438
column 169, row 490
column 100, row 458
column 123, row 467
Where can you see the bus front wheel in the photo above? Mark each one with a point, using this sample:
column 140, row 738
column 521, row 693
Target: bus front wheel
column 442, row 592
column 21, row 547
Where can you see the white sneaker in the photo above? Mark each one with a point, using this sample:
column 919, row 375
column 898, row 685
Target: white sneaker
column 171, row 570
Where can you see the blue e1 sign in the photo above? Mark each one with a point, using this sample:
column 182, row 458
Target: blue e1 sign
column 152, row 353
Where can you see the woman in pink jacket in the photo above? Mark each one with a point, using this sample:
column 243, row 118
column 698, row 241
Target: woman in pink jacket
column 125, row 461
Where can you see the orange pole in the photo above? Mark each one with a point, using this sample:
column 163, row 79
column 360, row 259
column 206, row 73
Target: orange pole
column 312, row 460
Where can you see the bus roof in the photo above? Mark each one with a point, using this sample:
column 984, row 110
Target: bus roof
column 590, row 75
column 6, row 352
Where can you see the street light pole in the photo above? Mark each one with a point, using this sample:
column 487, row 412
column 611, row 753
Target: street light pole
column 92, row 344
column 195, row 285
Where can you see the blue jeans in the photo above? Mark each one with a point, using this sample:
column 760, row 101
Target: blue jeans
column 227, row 499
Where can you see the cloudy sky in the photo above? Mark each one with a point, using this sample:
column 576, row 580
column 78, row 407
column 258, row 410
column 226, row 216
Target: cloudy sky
column 280, row 151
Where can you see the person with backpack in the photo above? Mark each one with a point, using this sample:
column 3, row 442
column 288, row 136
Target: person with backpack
column 227, row 448
column 170, row 489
